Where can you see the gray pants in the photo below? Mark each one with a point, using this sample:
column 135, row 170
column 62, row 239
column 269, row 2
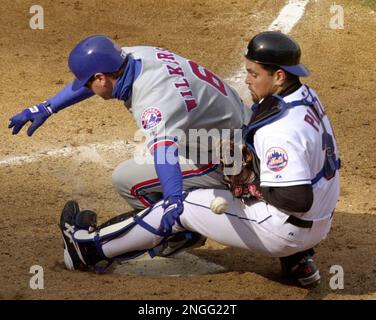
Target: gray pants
column 140, row 186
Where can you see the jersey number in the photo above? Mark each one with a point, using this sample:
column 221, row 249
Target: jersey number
column 330, row 166
column 209, row 77
column 314, row 119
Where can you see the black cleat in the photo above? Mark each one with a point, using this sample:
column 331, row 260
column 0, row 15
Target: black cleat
column 73, row 257
column 305, row 272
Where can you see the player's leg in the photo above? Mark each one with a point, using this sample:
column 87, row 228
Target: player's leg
column 139, row 183
column 140, row 186
column 261, row 228
column 135, row 235
column 86, row 245
column 123, row 237
column 256, row 226
column 240, row 226
column 251, row 227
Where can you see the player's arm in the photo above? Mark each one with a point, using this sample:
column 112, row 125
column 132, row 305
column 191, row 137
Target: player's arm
column 166, row 161
column 39, row 113
column 164, row 125
column 295, row 198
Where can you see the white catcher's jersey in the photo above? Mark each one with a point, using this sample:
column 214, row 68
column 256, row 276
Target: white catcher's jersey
column 173, row 93
column 291, row 153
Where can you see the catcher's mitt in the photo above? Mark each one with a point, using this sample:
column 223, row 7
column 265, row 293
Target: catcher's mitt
column 242, row 182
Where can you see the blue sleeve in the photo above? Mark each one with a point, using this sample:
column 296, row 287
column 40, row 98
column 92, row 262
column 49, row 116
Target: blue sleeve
column 167, row 166
column 66, row 97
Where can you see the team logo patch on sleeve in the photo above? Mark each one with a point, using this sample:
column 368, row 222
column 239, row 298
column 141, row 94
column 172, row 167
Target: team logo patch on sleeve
column 150, row 118
column 276, row 159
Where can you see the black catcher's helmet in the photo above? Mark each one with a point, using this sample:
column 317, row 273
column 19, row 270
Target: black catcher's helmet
column 272, row 47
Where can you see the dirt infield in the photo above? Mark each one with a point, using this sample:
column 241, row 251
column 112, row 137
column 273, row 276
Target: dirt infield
column 214, row 34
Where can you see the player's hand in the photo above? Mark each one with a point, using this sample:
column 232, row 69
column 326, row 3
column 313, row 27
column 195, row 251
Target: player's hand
column 254, row 190
column 173, row 208
column 37, row 114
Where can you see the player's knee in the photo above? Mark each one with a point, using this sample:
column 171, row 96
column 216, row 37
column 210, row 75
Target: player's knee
column 116, row 181
column 120, row 179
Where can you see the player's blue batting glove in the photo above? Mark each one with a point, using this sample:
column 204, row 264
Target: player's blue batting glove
column 173, row 208
column 37, row 115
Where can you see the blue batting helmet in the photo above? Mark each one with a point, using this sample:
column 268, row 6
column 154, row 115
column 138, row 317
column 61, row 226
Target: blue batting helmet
column 94, row 54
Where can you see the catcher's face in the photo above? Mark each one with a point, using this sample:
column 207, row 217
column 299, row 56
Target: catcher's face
column 102, row 85
column 261, row 83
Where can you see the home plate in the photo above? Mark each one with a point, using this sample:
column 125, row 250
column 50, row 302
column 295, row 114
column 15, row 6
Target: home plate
column 182, row 264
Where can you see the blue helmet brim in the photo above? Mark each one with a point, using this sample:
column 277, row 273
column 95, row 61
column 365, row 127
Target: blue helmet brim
column 297, row 70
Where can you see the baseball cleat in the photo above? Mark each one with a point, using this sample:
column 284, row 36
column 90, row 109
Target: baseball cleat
column 305, row 273
column 73, row 258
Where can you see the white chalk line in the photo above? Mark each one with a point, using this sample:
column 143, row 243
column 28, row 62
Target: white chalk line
column 287, row 18
column 67, row 152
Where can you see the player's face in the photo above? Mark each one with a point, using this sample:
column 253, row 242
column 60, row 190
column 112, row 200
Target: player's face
column 101, row 85
column 260, row 82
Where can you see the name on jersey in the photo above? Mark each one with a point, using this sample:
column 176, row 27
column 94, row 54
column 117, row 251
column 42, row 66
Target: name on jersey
column 174, row 69
column 151, row 117
column 276, row 159
column 315, row 115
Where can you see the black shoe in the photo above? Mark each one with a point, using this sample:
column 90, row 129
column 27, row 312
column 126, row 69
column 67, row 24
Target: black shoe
column 73, row 258
column 178, row 243
column 304, row 272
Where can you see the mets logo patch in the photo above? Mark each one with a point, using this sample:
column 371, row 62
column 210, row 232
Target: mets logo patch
column 276, row 159
column 150, row 118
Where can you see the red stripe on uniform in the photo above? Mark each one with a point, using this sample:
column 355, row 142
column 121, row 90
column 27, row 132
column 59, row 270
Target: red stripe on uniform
column 200, row 170
column 161, row 143
column 152, row 181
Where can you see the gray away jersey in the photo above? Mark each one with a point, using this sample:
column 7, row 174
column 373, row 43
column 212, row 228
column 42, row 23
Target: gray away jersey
column 172, row 95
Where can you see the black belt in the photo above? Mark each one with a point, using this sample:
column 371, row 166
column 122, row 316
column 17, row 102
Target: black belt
column 300, row 222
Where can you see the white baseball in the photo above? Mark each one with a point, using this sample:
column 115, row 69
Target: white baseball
column 219, row 205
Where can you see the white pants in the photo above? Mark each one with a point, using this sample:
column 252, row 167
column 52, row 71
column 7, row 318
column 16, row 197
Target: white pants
column 258, row 227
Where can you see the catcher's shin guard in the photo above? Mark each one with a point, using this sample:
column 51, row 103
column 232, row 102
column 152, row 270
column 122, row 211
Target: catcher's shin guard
column 118, row 218
column 83, row 240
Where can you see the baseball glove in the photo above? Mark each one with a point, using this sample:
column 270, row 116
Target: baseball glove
column 238, row 172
